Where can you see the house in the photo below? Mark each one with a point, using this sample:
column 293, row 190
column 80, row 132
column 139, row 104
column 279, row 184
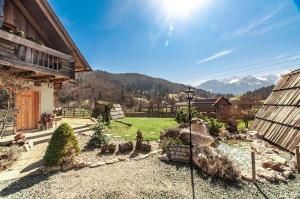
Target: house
column 36, row 49
column 278, row 121
column 212, row 106
column 209, row 106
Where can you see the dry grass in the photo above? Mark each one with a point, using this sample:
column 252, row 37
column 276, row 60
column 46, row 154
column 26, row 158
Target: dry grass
column 216, row 165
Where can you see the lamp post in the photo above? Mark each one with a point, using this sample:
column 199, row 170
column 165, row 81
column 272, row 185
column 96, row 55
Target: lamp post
column 190, row 95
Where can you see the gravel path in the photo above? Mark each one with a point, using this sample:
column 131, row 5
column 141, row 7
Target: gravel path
column 147, row 178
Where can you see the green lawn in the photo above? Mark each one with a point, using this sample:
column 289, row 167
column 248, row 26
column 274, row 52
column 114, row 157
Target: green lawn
column 241, row 125
column 151, row 127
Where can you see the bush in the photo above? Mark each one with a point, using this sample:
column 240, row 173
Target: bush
column 214, row 127
column 182, row 115
column 63, row 142
column 170, row 133
column 99, row 137
column 216, row 165
column 170, row 141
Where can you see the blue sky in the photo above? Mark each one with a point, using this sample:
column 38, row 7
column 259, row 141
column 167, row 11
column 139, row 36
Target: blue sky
column 215, row 39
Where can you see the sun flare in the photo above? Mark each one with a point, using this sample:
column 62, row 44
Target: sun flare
column 182, row 8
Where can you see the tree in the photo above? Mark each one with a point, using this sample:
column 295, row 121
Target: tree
column 11, row 86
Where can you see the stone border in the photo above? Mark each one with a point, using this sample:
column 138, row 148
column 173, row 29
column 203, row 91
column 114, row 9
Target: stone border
column 179, row 153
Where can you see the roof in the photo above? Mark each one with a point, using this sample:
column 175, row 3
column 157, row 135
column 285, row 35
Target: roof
column 211, row 100
column 279, row 118
column 45, row 18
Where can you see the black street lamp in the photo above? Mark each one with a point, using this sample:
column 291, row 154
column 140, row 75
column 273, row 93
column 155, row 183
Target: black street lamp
column 190, row 95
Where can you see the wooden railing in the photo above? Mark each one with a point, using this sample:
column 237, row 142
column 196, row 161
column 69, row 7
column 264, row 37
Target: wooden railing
column 30, row 55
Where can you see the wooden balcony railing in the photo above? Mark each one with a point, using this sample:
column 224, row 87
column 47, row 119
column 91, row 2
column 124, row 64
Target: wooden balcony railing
column 29, row 55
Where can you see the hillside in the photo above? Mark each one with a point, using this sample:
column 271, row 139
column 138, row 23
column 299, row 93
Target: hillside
column 120, row 88
column 262, row 93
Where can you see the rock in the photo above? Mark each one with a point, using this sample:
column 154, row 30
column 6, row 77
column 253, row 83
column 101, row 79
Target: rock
column 112, row 161
column 80, row 165
column 294, row 162
column 164, row 157
column 197, row 138
column 268, row 175
column 287, row 174
column 144, row 156
column 97, row 164
column 26, row 147
column 280, row 178
column 247, row 177
column 121, row 159
column 52, row 169
column 68, row 166
column 276, row 158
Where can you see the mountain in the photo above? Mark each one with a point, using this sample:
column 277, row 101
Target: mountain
column 120, row 88
column 238, row 85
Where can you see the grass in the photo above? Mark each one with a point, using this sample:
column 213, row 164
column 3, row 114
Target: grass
column 241, row 125
column 151, row 127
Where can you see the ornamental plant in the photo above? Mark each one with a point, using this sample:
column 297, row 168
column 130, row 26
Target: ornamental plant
column 62, row 143
column 182, row 115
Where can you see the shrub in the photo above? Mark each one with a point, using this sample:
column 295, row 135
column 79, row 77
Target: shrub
column 170, row 133
column 99, row 137
column 63, row 142
column 214, row 127
column 106, row 114
column 216, row 165
column 126, row 147
column 169, row 141
column 182, row 115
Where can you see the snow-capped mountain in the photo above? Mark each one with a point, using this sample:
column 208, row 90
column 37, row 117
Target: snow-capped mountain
column 238, row 85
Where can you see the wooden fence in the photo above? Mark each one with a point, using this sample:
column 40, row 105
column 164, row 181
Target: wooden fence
column 76, row 112
column 150, row 114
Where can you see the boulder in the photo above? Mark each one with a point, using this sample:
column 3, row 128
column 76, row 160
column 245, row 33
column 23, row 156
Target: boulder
column 287, row 174
column 80, row 165
column 198, row 139
column 268, row 175
column 52, row 169
column 164, row 157
column 68, row 166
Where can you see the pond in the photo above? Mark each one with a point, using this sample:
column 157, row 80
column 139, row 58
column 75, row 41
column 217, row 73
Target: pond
column 239, row 151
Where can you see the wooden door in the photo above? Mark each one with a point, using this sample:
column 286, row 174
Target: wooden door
column 28, row 104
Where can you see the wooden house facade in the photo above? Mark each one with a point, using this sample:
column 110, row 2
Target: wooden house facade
column 36, row 48
column 279, row 118
column 213, row 107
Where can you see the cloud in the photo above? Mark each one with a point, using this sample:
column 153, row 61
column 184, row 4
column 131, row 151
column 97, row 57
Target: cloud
column 256, row 23
column 216, row 56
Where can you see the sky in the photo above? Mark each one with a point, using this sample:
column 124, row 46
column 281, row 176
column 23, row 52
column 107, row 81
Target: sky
column 185, row 42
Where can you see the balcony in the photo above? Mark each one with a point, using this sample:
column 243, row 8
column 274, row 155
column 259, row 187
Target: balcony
column 21, row 53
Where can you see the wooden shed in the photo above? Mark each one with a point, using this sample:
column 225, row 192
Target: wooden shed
column 279, row 118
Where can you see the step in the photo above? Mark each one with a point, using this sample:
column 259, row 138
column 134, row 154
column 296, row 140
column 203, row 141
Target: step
column 82, row 130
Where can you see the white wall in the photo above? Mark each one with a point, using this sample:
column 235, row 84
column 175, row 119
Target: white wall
column 47, row 98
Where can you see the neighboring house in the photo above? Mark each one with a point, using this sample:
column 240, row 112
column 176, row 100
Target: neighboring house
column 34, row 46
column 213, row 106
column 278, row 121
column 210, row 106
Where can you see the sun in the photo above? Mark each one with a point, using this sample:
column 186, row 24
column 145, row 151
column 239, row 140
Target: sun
column 182, row 8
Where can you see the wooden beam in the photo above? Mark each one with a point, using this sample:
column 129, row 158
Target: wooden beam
column 28, row 16
column 25, row 66
column 25, row 74
column 25, row 42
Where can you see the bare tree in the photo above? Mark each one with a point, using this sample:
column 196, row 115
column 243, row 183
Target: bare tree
column 10, row 86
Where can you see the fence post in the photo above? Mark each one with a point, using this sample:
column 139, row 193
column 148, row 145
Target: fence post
column 253, row 166
column 298, row 158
